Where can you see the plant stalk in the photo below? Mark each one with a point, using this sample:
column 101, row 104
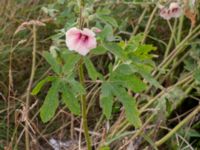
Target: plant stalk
column 148, row 26
column 174, row 130
column 84, row 108
column 29, row 89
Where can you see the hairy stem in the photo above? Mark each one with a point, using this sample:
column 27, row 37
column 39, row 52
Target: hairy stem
column 81, row 20
column 84, row 108
column 29, row 88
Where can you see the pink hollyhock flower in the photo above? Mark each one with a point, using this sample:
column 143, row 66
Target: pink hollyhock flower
column 175, row 10
column 165, row 13
column 81, row 41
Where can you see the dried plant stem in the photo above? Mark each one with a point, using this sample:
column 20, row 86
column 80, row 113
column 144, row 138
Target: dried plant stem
column 148, row 26
column 29, row 88
column 138, row 132
column 10, row 87
column 173, row 30
column 174, row 130
column 180, row 27
column 140, row 20
column 84, row 108
column 179, row 48
column 125, row 124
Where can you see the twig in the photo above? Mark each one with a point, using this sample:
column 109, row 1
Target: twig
column 29, row 88
column 174, row 130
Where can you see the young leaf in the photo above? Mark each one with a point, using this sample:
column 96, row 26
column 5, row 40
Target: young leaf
column 124, row 69
column 130, row 81
column 150, row 79
column 129, row 104
column 100, row 50
column 48, row 109
column 70, row 100
column 38, row 87
column 104, row 11
column 76, row 87
column 104, row 148
column 115, row 49
column 93, row 74
column 108, row 19
column 70, row 61
column 146, row 75
column 107, row 33
column 52, row 61
column 143, row 51
column 106, row 99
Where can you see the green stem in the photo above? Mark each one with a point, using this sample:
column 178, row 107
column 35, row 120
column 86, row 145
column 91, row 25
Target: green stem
column 180, row 27
column 27, row 141
column 140, row 20
column 171, row 38
column 81, row 14
column 174, row 130
column 148, row 26
column 84, row 108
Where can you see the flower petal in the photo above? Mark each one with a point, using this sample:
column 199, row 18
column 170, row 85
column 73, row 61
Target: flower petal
column 81, row 41
column 88, row 32
column 175, row 10
column 72, row 37
column 165, row 13
column 91, row 43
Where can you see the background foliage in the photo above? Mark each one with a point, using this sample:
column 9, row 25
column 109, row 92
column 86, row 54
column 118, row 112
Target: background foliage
column 145, row 69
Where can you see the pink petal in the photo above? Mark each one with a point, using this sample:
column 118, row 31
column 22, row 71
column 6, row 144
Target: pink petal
column 81, row 41
column 175, row 6
column 165, row 13
column 71, row 42
column 71, row 37
column 83, row 51
column 81, row 48
column 88, row 32
column 91, row 43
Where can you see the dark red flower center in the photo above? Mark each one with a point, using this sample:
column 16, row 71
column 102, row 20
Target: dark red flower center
column 83, row 37
column 175, row 9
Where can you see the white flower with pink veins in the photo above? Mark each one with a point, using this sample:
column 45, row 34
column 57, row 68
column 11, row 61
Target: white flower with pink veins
column 165, row 13
column 175, row 10
column 81, row 41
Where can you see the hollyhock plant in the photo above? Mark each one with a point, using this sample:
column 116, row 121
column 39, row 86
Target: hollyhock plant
column 175, row 10
column 81, row 41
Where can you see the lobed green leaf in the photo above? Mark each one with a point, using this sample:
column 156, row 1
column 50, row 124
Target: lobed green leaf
column 48, row 109
column 40, row 84
column 70, row 100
